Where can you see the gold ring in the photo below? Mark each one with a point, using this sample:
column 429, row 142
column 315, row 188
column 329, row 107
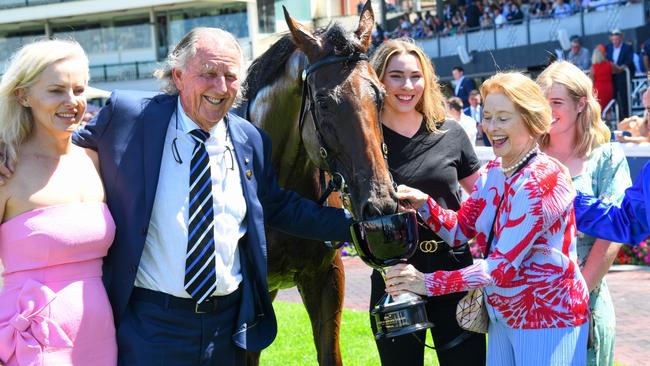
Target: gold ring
column 428, row 246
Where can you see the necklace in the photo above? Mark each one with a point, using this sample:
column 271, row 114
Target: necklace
column 516, row 165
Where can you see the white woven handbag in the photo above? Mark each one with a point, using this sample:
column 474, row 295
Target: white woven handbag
column 471, row 312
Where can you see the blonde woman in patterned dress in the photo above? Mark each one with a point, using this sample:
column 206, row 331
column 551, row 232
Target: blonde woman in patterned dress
column 536, row 298
column 580, row 140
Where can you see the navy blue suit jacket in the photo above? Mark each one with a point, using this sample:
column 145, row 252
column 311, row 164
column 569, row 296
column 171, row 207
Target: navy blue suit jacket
column 129, row 134
column 468, row 112
column 626, row 57
column 466, row 86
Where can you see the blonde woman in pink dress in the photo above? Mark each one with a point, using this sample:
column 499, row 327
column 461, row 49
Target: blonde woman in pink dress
column 55, row 227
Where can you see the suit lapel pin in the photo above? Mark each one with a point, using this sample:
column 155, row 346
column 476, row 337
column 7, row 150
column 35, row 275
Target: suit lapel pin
column 249, row 174
column 246, row 161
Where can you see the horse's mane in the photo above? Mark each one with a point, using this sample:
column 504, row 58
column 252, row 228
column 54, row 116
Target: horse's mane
column 269, row 66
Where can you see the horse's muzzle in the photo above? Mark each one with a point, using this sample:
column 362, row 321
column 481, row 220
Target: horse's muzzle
column 374, row 208
column 387, row 240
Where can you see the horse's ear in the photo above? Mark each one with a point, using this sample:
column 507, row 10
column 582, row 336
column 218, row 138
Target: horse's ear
column 366, row 23
column 302, row 37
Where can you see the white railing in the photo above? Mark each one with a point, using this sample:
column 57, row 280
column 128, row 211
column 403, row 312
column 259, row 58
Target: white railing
column 537, row 30
column 6, row 4
column 637, row 155
column 109, row 45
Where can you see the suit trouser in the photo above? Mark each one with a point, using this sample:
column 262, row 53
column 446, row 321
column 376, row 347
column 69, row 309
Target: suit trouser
column 154, row 334
column 620, row 93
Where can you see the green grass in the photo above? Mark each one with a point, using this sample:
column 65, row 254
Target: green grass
column 294, row 344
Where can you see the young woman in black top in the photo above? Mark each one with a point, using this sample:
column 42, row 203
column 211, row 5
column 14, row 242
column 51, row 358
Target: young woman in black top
column 433, row 154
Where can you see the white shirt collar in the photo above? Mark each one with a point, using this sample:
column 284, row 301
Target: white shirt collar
column 186, row 125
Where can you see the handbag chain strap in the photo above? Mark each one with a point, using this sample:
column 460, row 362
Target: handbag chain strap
column 491, row 236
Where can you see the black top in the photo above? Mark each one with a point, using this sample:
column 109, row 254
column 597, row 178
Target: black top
column 434, row 163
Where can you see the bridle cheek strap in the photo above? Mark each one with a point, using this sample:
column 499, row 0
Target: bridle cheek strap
column 327, row 160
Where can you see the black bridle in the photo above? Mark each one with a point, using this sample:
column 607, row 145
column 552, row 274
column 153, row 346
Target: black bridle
column 336, row 182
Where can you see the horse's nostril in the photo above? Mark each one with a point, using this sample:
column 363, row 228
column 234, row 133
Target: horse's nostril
column 369, row 211
column 375, row 209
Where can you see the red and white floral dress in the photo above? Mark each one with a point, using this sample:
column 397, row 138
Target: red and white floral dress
column 531, row 277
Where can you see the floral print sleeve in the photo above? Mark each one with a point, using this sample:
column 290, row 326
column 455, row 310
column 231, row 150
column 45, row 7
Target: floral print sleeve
column 536, row 202
column 454, row 227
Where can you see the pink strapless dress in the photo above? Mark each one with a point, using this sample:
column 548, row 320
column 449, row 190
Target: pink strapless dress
column 53, row 306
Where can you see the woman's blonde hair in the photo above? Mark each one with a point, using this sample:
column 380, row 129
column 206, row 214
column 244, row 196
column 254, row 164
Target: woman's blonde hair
column 432, row 103
column 598, row 55
column 527, row 97
column 25, row 67
column 591, row 131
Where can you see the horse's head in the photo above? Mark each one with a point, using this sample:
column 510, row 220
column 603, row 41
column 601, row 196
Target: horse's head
column 342, row 99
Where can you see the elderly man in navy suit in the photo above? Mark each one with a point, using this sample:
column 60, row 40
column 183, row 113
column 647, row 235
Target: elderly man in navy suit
column 191, row 186
column 621, row 54
column 463, row 86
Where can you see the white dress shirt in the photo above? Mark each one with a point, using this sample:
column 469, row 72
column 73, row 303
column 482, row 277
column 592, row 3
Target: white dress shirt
column 457, row 86
column 475, row 113
column 616, row 52
column 162, row 266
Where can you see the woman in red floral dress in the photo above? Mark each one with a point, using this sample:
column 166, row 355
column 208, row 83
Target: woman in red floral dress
column 536, row 298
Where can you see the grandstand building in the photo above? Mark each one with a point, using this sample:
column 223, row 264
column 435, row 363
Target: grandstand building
column 529, row 44
column 125, row 39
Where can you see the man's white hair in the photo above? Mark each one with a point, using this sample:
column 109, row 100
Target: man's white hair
column 186, row 48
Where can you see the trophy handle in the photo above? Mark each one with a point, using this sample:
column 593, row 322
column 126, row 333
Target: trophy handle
column 385, row 299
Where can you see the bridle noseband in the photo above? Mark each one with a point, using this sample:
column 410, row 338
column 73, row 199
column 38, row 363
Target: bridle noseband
column 337, row 182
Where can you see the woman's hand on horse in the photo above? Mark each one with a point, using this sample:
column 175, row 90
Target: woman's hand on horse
column 413, row 196
column 404, row 277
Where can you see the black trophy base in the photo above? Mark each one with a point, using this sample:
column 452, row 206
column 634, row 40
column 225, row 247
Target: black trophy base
column 393, row 319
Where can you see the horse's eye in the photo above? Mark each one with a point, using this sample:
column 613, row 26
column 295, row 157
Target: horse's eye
column 323, row 102
column 379, row 96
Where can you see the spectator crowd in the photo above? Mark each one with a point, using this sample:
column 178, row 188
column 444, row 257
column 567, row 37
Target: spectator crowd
column 473, row 15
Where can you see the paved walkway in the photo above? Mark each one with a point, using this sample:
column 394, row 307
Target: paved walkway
column 630, row 287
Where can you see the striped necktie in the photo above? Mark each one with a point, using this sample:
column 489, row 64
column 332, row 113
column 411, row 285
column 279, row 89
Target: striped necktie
column 200, row 277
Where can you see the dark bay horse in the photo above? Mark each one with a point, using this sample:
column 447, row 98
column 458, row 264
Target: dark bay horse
column 340, row 133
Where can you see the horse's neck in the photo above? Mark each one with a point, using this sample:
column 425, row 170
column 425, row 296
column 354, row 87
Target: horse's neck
column 275, row 109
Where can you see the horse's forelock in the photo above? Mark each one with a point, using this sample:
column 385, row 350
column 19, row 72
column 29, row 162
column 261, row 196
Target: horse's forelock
column 340, row 40
column 268, row 67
